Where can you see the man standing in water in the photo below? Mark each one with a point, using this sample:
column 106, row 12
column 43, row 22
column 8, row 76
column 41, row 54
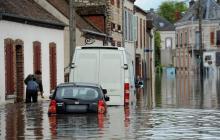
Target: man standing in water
column 39, row 81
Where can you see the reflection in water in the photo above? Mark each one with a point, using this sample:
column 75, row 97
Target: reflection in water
column 15, row 126
column 186, row 91
column 180, row 108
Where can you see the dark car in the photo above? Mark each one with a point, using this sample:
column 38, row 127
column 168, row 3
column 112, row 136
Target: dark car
column 78, row 98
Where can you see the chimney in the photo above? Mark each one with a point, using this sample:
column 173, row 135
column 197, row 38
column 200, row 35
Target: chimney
column 151, row 9
column 177, row 16
column 191, row 3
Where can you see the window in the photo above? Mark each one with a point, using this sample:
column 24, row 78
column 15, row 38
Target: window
column 186, row 38
column 177, row 40
column 168, row 42
column 129, row 24
column 141, row 40
column 113, row 26
column 119, row 44
column 218, row 39
column 181, row 39
column 126, row 24
column 135, row 23
column 113, row 43
column 119, row 27
column 212, row 36
column 197, row 40
column 80, row 93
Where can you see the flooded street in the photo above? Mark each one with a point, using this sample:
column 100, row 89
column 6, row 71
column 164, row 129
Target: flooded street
column 181, row 107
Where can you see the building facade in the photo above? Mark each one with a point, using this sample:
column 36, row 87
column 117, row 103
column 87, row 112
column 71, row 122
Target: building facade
column 167, row 36
column 87, row 31
column 31, row 39
column 141, row 42
column 188, row 55
column 129, row 29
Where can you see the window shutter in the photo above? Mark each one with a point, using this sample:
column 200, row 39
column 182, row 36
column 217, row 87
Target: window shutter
column 37, row 56
column 135, row 27
column 212, row 36
column 9, row 67
column 53, row 66
column 141, row 41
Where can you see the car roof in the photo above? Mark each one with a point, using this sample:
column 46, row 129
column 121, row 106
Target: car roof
column 78, row 84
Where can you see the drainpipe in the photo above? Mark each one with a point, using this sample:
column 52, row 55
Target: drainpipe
column 72, row 31
column 123, row 37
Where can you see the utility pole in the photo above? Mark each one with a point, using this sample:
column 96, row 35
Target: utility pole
column 200, row 37
column 72, row 30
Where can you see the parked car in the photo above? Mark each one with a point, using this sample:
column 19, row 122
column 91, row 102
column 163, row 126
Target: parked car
column 78, row 98
column 111, row 67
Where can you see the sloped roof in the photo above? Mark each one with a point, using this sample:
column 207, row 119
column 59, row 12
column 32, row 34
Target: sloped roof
column 81, row 23
column 210, row 11
column 28, row 11
column 84, row 24
column 91, row 10
column 159, row 22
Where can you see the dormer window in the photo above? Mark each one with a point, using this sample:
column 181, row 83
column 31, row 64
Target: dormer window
column 161, row 24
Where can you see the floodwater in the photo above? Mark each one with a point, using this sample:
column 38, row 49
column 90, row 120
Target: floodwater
column 181, row 107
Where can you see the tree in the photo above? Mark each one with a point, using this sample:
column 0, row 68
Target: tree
column 157, row 41
column 172, row 10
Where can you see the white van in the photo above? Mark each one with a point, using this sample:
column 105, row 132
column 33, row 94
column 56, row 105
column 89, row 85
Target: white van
column 111, row 67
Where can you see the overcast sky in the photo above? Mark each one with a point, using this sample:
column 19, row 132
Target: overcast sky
column 147, row 4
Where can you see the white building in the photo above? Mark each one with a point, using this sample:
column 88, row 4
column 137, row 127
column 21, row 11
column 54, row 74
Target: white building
column 31, row 39
column 130, row 28
column 167, row 36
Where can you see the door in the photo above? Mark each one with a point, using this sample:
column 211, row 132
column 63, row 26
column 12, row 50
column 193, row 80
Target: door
column 9, row 68
column 111, row 75
column 86, row 66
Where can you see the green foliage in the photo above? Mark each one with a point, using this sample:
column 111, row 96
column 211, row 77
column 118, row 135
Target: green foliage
column 157, row 41
column 168, row 10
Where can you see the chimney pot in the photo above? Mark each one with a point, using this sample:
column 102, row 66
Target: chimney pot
column 191, row 3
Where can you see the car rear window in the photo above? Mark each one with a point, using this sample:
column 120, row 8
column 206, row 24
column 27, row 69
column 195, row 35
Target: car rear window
column 78, row 93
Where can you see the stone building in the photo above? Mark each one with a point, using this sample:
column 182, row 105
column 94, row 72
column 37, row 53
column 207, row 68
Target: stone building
column 90, row 24
column 105, row 15
column 187, row 35
column 141, row 43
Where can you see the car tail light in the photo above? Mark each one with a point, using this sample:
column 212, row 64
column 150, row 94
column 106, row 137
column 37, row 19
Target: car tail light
column 126, row 93
column 101, row 106
column 52, row 107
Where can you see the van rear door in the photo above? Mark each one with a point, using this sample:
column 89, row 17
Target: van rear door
column 86, row 66
column 111, row 75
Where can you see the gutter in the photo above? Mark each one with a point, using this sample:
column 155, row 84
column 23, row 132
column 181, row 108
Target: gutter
column 30, row 21
column 95, row 33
